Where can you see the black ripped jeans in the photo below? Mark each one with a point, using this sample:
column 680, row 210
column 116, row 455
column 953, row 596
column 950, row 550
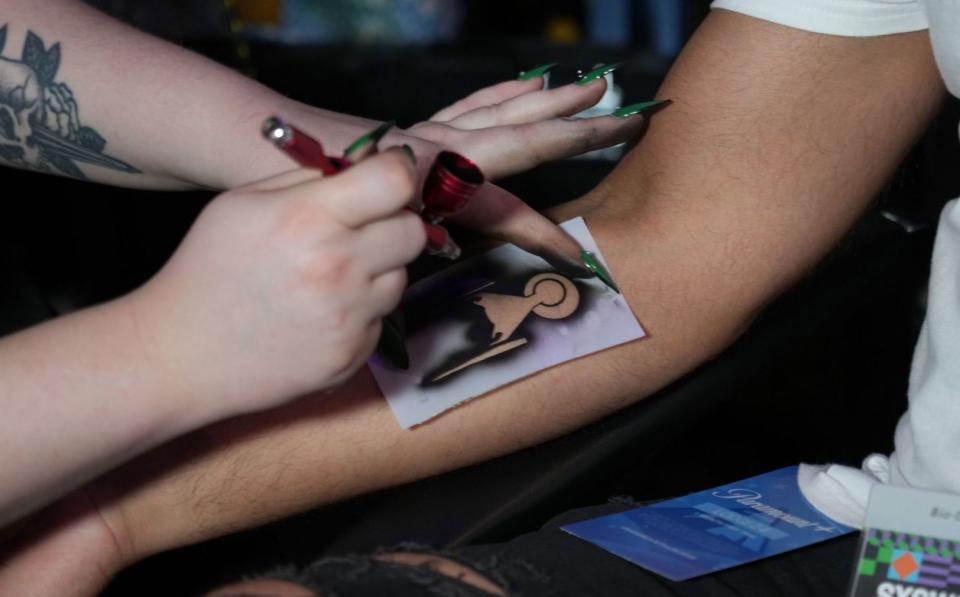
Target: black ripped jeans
column 551, row 562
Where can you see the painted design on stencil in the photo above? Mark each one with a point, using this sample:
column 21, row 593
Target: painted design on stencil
column 40, row 124
column 548, row 295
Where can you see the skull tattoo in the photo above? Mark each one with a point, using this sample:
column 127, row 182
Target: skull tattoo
column 21, row 101
column 40, row 124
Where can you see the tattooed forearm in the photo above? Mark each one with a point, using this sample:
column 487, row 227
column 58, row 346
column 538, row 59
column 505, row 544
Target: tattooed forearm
column 40, row 124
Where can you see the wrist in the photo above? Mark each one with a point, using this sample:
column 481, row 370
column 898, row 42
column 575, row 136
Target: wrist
column 170, row 380
column 261, row 160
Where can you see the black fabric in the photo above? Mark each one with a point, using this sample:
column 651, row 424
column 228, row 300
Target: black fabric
column 21, row 303
column 359, row 576
column 552, row 563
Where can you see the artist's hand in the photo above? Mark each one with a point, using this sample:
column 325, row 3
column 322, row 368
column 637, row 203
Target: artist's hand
column 512, row 127
column 280, row 286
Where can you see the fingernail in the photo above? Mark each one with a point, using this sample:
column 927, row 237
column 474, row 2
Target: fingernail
column 537, row 72
column 600, row 71
column 439, row 242
column 410, row 153
column 372, row 137
column 392, row 346
column 593, row 264
column 633, row 109
column 568, row 266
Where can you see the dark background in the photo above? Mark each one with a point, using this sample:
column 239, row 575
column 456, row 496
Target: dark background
column 820, row 377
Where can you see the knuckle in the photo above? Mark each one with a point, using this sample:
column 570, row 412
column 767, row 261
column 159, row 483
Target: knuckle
column 489, row 114
column 341, row 366
column 413, row 229
column 357, row 343
column 350, row 352
column 299, row 217
column 396, row 283
column 534, row 149
column 417, row 240
column 590, row 138
column 437, row 132
column 327, row 271
column 338, row 333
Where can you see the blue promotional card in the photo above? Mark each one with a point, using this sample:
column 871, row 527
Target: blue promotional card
column 715, row 529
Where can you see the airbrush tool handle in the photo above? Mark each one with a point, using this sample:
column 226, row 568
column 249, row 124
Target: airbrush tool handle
column 308, row 152
column 304, row 149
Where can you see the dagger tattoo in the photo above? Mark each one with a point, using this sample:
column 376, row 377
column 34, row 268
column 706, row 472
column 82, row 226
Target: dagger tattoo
column 40, row 125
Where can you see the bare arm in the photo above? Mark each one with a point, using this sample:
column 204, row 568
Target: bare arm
column 777, row 141
column 88, row 391
column 86, row 96
column 58, row 384
column 127, row 108
column 169, row 118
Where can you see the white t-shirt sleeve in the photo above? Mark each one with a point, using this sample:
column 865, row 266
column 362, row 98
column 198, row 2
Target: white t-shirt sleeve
column 927, row 441
column 852, row 18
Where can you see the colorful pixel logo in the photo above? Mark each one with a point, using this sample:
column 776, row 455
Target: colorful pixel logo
column 905, row 566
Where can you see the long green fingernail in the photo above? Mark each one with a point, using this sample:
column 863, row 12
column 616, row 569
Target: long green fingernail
column 392, row 345
column 537, row 72
column 593, row 264
column 600, row 71
column 632, row 109
column 372, row 137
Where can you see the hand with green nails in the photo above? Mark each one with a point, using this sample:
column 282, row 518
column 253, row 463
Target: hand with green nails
column 512, row 127
column 540, row 71
column 640, row 107
column 596, row 73
column 505, row 129
column 494, row 211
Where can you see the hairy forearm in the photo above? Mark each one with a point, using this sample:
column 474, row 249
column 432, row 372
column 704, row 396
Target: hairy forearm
column 89, row 97
column 776, row 142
